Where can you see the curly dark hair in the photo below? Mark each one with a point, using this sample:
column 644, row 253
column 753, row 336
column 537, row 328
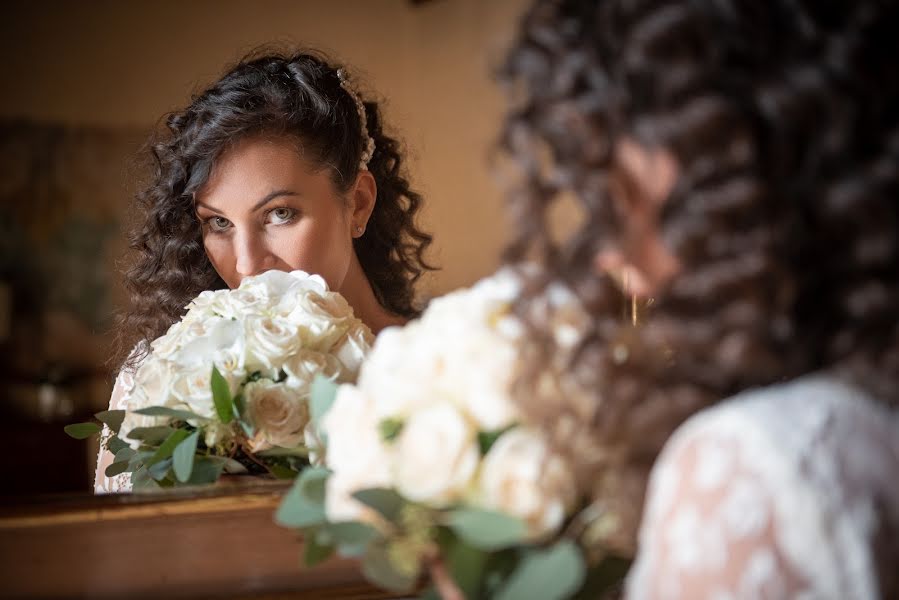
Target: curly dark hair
column 782, row 118
column 297, row 95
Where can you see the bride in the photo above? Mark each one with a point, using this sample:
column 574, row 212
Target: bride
column 278, row 165
column 736, row 165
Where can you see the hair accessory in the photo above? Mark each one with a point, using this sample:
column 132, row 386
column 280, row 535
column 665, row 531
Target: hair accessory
column 369, row 144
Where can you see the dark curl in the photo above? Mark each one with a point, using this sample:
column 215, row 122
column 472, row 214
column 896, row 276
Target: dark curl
column 297, row 95
column 782, row 118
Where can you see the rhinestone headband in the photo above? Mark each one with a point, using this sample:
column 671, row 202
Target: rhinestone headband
column 369, row 146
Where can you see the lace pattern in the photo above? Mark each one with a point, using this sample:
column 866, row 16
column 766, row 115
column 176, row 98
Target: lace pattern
column 122, row 482
column 777, row 493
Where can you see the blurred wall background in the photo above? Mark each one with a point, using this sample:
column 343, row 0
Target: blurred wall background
column 90, row 79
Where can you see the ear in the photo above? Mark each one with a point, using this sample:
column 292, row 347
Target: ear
column 362, row 202
column 639, row 261
column 654, row 170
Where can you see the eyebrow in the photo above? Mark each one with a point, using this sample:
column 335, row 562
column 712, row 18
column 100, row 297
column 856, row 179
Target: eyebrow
column 271, row 196
column 268, row 198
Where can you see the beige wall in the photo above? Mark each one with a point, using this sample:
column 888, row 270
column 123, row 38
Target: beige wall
column 124, row 64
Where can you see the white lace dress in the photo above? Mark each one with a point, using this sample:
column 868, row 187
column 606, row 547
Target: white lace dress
column 785, row 492
column 122, row 482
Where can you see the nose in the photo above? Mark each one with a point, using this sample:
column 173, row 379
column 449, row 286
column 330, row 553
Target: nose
column 252, row 256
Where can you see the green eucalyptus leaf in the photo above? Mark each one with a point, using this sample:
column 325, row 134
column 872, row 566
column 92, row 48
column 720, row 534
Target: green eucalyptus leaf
column 380, row 570
column 351, row 537
column 125, row 454
column 82, row 431
column 141, row 480
column 466, row 566
column 183, row 457
column 312, row 484
column 221, row 396
column 546, row 574
column 174, row 413
column 240, row 405
column 300, row 451
column 485, row 529
column 139, row 459
column 150, row 436
column 117, row 468
column 321, row 398
column 112, row 418
column 115, row 443
column 297, row 509
column 352, row 532
column 500, row 567
column 205, row 471
column 282, row 472
column 316, row 552
column 167, row 447
column 160, row 470
column 385, row 501
column 295, row 512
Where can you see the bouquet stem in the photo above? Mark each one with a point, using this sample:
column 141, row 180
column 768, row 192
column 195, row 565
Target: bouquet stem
column 442, row 580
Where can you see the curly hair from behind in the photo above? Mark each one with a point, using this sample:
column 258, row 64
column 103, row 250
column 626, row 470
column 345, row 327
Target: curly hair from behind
column 784, row 217
column 291, row 94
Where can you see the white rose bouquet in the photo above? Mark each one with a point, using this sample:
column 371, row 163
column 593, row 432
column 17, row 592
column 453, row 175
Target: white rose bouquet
column 429, row 467
column 227, row 388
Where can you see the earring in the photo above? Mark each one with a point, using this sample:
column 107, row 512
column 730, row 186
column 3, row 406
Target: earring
column 360, row 229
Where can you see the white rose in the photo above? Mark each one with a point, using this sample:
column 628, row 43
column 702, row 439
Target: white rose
column 356, row 454
column 193, row 388
column 166, row 345
column 314, row 444
column 207, row 304
column 456, row 353
column 485, row 362
column 339, row 502
column 521, row 478
column 352, row 350
column 304, row 365
column 351, row 428
column 152, row 387
column 152, row 383
column 179, row 335
column 401, row 371
column 322, row 319
column 269, row 341
column 272, row 293
column 437, row 453
column 242, row 302
column 277, row 284
column 218, row 336
column 278, row 414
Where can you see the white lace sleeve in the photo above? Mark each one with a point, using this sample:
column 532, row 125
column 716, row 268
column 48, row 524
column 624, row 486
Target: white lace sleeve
column 781, row 493
column 122, row 482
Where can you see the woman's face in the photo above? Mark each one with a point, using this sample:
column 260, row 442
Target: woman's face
column 264, row 208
